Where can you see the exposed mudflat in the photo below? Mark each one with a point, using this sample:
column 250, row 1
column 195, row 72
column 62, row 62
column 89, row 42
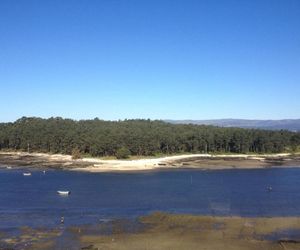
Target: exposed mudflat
column 166, row 231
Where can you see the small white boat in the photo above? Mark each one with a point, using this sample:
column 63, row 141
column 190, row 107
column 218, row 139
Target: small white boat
column 8, row 167
column 27, row 174
column 63, row 192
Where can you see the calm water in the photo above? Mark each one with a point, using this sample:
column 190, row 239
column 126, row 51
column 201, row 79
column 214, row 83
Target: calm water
column 97, row 197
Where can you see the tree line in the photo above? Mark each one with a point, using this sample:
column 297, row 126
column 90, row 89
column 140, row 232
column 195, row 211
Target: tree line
column 138, row 137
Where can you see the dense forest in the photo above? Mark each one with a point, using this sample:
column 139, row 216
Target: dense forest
column 138, row 137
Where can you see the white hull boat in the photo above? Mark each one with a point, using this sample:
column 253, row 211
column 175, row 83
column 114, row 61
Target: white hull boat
column 63, row 192
column 27, row 174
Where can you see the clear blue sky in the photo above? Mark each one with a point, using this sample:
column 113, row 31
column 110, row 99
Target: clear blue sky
column 153, row 59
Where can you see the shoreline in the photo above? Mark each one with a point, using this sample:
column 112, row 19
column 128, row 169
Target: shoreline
column 187, row 161
column 165, row 231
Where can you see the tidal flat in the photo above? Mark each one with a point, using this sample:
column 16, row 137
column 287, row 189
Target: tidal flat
column 165, row 231
column 186, row 161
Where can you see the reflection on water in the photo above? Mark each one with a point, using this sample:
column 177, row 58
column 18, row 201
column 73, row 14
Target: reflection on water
column 33, row 201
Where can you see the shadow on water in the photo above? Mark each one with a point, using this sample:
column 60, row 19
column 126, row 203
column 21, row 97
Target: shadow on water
column 286, row 234
column 282, row 237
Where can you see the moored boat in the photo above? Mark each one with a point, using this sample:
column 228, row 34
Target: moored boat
column 65, row 192
column 27, row 174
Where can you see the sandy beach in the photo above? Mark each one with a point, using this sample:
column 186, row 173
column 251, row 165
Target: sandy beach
column 198, row 161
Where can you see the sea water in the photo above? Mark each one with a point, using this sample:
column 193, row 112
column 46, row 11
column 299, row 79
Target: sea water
column 95, row 197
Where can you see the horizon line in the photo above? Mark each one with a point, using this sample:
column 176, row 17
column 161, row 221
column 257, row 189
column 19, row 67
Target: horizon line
column 153, row 119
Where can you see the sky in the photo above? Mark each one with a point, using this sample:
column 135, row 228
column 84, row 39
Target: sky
column 157, row 59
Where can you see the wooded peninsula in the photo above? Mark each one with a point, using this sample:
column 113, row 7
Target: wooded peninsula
column 138, row 137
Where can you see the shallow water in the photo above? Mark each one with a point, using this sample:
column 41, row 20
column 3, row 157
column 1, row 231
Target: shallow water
column 33, row 200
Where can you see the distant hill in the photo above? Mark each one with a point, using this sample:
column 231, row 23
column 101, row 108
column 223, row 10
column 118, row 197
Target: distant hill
column 288, row 124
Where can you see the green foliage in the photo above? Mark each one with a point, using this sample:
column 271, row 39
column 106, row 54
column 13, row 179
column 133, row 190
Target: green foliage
column 295, row 142
column 123, row 153
column 140, row 137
